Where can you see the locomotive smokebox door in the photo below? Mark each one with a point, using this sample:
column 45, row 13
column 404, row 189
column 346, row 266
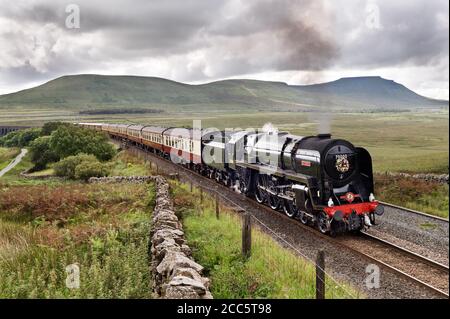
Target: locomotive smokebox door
column 340, row 163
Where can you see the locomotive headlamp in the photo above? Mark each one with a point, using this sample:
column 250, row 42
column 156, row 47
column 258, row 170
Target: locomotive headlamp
column 371, row 197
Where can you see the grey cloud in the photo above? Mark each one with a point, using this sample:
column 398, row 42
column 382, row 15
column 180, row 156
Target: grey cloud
column 231, row 38
column 411, row 32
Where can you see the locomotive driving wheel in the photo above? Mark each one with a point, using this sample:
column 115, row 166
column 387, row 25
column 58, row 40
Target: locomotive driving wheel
column 273, row 200
column 290, row 209
column 304, row 216
column 260, row 193
column 266, row 191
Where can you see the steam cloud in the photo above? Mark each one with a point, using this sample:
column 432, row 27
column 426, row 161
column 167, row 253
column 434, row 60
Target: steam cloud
column 323, row 120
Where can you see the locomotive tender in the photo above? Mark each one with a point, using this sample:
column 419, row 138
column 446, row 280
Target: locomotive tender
column 319, row 180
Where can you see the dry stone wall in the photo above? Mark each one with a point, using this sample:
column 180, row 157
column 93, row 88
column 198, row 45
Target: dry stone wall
column 121, row 179
column 437, row 178
column 175, row 274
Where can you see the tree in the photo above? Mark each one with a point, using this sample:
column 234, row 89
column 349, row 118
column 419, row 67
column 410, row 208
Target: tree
column 42, row 153
column 50, row 127
column 20, row 138
column 71, row 140
column 27, row 136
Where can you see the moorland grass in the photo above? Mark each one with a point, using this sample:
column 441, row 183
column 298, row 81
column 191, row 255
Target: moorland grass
column 423, row 196
column 101, row 228
column 127, row 164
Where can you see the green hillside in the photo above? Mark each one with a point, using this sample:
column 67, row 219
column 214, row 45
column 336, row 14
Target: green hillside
column 84, row 92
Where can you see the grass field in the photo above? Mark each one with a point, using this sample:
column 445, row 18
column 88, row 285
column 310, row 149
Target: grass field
column 48, row 225
column 271, row 272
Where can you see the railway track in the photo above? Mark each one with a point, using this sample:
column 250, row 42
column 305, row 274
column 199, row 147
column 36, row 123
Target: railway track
column 424, row 272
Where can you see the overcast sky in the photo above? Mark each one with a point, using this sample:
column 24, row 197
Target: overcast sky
column 194, row 41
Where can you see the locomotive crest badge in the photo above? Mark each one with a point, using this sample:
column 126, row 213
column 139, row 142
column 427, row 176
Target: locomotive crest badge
column 342, row 163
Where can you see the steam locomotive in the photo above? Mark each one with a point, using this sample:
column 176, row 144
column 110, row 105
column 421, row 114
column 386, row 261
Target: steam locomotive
column 321, row 181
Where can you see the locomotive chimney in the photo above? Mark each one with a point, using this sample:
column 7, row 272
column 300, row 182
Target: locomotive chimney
column 324, row 135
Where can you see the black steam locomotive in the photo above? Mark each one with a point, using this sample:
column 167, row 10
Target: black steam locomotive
column 317, row 179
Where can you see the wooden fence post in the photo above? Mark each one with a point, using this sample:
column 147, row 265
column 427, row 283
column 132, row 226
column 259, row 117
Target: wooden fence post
column 320, row 275
column 246, row 235
column 191, row 188
column 201, row 195
column 217, row 206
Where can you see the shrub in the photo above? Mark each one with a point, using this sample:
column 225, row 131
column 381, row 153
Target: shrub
column 67, row 166
column 86, row 170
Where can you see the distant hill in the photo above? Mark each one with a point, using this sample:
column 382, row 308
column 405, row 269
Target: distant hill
column 369, row 91
column 84, row 92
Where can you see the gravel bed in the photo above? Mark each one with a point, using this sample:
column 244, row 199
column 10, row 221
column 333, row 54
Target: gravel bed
column 410, row 265
column 342, row 263
column 423, row 235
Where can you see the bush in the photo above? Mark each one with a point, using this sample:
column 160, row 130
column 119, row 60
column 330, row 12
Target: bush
column 41, row 153
column 81, row 166
column 67, row 166
column 86, row 170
